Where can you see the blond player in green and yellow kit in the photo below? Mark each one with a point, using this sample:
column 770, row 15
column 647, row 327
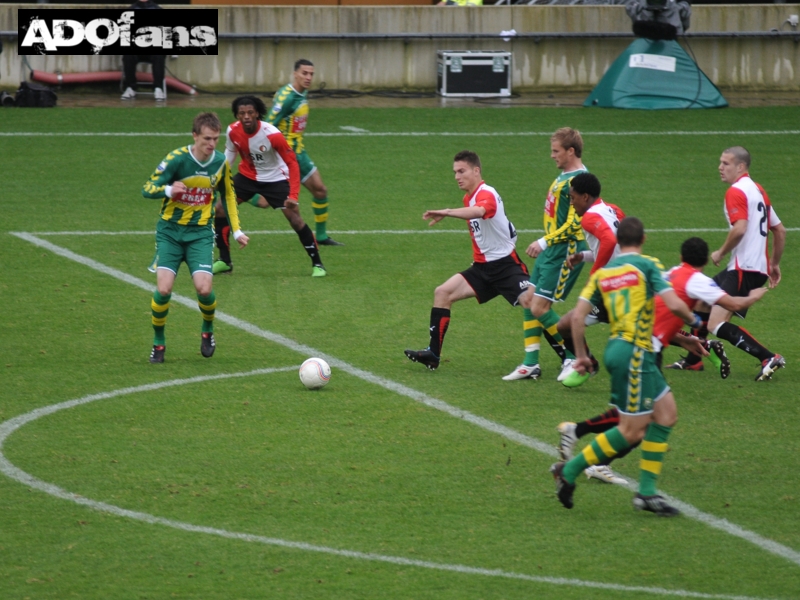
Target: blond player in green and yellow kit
column 289, row 113
column 627, row 287
column 552, row 278
column 187, row 182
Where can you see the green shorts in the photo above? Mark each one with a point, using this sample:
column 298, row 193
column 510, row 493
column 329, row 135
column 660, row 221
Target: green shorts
column 551, row 276
column 307, row 166
column 636, row 382
column 191, row 244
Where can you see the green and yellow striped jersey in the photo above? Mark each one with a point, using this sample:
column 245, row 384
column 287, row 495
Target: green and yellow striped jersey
column 203, row 180
column 627, row 286
column 561, row 223
column 289, row 113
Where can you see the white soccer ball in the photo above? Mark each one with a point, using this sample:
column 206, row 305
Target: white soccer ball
column 315, row 373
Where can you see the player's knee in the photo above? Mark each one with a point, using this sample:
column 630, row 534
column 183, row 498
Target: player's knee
column 442, row 296
column 632, row 435
column 320, row 192
column 203, row 287
column 714, row 323
column 539, row 306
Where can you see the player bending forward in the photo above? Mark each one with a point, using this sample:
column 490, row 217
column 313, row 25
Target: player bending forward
column 693, row 287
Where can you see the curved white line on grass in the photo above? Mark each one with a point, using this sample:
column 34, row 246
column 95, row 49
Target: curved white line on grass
column 403, row 133
column 524, row 440
column 378, row 231
column 14, row 472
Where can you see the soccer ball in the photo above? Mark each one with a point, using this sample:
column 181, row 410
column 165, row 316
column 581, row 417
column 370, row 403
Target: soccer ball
column 315, row 373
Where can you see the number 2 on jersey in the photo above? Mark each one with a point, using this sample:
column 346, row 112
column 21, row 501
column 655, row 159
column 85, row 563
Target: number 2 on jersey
column 765, row 213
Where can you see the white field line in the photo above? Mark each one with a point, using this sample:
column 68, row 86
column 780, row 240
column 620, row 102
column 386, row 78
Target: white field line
column 510, row 434
column 376, row 231
column 406, row 133
column 7, row 468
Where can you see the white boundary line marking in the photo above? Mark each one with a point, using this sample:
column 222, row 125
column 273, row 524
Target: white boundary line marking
column 406, row 133
column 375, row 231
column 506, row 432
column 9, row 469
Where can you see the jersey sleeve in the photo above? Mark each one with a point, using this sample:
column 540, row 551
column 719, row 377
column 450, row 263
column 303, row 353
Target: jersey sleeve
column 230, row 148
column 596, row 225
column 487, row 201
column 701, row 287
column 280, row 146
column 591, row 291
column 161, row 178
column 228, row 197
column 735, row 204
column 608, row 241
column 282, row 106
column 570, row 229
column 774, row 221
column 656, row 277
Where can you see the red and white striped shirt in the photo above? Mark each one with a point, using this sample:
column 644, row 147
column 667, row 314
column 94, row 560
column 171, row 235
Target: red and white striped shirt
column 493, row 235
column 745, row 199
column 266, row 156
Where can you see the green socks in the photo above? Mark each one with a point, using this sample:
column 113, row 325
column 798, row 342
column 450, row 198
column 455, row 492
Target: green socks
column 159, row 307
column 654, row 447
column 604, row 446
column 207, row 304
column 320, row 208
column 532, row 328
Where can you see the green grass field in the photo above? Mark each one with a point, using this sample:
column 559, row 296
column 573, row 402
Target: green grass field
column 225, row 478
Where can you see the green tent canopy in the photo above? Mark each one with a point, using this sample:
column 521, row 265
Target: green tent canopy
column 652, row 75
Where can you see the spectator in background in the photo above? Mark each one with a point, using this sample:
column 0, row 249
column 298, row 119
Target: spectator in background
column 129, row 62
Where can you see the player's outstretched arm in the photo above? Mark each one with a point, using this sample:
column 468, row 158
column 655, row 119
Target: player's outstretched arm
column 737, row 303
column 466, row 213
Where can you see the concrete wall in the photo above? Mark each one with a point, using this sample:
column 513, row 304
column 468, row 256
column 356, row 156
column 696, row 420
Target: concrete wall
column 745, row 63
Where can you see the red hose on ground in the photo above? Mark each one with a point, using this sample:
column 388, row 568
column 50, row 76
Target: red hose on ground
column 102, row 76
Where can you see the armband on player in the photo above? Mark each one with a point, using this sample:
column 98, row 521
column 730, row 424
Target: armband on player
column 542, row 243
column 237, row 234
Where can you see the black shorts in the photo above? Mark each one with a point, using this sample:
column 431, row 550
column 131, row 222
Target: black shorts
column 739, row 283
column 275, row 192
column 507, row 277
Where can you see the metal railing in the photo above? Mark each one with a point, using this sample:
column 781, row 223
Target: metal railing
column 535, row 36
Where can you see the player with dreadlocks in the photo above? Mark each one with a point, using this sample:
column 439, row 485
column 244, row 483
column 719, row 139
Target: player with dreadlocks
column 268, row 176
